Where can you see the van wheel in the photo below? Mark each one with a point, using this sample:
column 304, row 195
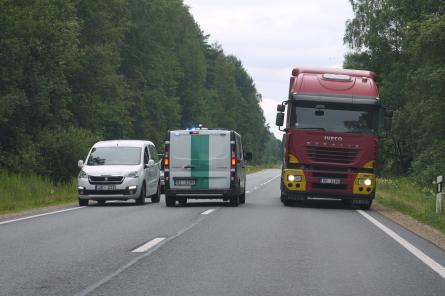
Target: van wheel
column 155, row 198
column 170, row 200
column 141, row 199
column 242, row 197
column 83, row 202
column 234, row 200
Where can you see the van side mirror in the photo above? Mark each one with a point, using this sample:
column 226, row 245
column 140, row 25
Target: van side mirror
column 387, row 119
column 280, row 119
column 248, row 156
column 80, row 164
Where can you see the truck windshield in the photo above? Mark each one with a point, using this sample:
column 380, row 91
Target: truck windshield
column 115, row 156
column 335, row 117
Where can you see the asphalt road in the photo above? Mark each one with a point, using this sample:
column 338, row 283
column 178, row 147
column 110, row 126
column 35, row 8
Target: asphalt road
column 260, row 248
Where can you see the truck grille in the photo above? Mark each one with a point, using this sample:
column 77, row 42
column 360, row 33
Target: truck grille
column 330, row 154
column 106, row 179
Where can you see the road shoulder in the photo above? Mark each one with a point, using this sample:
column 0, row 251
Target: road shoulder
column 420, row 229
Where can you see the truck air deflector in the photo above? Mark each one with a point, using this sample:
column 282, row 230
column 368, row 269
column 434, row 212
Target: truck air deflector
column 333, row 98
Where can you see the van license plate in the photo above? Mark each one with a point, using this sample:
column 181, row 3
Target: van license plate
column 185, row 182
column 105, row 187
column 330, row 181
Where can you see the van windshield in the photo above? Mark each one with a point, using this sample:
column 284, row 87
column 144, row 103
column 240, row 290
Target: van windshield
column 115, row 156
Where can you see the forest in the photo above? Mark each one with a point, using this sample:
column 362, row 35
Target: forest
column 74, row 72
column 403, row 41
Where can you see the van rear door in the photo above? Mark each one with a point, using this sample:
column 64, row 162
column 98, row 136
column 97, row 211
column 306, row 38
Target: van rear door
column 200, row 160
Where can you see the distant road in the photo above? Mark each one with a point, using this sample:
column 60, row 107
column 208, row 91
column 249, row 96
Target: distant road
column 208, row 248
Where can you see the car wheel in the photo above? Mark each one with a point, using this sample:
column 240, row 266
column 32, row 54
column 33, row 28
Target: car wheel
column 170, row 200
column 141, row 199
column 83, row 202
column 155, row 198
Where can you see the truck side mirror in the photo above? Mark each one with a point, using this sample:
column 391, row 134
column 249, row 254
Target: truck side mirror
column 280, row 119
column 281, row 108
column 248, row 156
column 387, row 120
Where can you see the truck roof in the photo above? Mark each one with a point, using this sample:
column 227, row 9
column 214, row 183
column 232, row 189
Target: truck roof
column 357, row 83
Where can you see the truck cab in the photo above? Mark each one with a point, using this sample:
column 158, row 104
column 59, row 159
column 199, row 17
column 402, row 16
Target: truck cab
column 331, row 135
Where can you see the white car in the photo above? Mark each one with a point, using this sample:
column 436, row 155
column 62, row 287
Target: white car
column 119, row 170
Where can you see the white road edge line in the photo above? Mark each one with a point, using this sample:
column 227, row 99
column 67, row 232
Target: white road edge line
column 40, row 215
column 208, row 212
column 416, row 252
column 147, row 246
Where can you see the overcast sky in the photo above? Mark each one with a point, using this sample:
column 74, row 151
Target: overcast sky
column 272, row 37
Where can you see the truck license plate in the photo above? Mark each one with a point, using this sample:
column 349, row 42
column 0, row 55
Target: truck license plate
column 330, row 181
column 105, row 187
column 185, row 182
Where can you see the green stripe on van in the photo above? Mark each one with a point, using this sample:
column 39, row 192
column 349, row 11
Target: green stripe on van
column 200, row 160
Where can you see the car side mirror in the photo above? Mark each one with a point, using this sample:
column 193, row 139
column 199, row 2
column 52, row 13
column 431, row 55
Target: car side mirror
column 80, row 164
column 150, row 163
column 280, row 119
column 248, row 156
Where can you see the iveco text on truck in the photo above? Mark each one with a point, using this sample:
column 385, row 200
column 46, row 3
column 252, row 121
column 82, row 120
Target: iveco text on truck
column 331, row 135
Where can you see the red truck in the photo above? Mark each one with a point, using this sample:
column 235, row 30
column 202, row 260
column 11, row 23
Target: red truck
column 331, row 137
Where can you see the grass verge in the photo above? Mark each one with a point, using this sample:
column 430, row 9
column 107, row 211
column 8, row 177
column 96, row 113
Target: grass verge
column 20, row 193
column 256, row 168
column 408, row 198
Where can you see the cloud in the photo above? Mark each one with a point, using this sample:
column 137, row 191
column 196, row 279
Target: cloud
column 272, row 37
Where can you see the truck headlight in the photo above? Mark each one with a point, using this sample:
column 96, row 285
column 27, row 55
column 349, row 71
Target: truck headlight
column 82, row 174
column 292, row 178
column 134, row 174
column 366, row 182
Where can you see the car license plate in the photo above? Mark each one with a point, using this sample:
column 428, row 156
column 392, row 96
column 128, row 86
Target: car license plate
column 105, row 187
column 185, row 182
column 330, row 181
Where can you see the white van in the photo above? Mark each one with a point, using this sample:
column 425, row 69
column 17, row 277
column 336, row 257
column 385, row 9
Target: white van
column 204, row 164
column 119, row 170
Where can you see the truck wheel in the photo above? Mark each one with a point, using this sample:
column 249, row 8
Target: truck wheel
column 83, row 202
column 285, row 199
column 234, row 200
column 141, row 199
column 367, row 206
column 155, row 198
column 101, row 201
column 170, row 200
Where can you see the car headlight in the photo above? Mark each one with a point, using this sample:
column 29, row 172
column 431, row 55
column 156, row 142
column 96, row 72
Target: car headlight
column 82, row 174
column 134, row 174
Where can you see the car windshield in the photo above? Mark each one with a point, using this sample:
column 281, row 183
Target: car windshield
column 335, row 117
column 115, row 156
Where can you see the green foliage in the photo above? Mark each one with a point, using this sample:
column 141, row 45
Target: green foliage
column 409, row 198
column 74, row 72
column 19, row 192
column 404, row 41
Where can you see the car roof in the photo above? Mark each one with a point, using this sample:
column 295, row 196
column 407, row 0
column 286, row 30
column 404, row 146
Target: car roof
column 122, row 143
